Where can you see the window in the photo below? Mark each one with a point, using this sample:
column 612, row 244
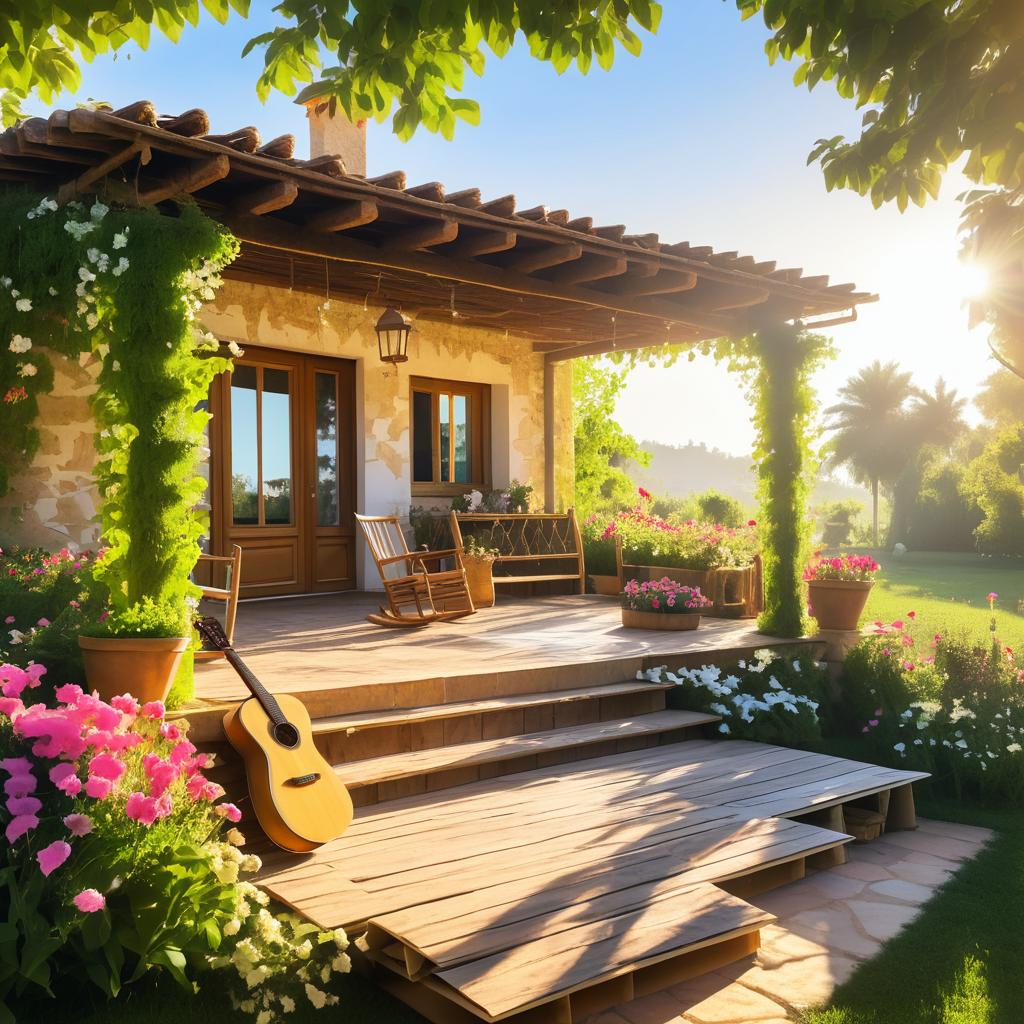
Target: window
column 449, row 435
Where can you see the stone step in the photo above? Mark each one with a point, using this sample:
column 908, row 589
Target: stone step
column 383, row 778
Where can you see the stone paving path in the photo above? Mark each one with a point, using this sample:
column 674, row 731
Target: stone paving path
column 827, row 924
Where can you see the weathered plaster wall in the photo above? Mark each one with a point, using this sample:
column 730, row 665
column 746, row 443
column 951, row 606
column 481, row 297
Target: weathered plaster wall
column 54, row 502
column 60, row 502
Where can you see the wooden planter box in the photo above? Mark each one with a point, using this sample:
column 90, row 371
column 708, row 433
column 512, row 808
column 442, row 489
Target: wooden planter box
column 734, row 593
column 632, row 619
column 608, row 586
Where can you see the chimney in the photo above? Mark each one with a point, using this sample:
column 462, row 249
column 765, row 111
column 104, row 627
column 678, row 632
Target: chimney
column 336, row 136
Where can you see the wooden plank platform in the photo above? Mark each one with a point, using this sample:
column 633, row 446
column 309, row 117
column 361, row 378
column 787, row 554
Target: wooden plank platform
column 548, row 895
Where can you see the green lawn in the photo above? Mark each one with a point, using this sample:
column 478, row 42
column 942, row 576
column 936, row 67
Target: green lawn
column 949, row 592
column 959, row 962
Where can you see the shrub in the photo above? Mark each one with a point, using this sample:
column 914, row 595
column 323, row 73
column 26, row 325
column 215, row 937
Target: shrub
column 119, row 859
column 993, row 482
column 715, row 507
column 837, row 520
column 598, row 550
column 770, row 699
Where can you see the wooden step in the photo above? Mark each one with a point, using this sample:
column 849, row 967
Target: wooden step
column 463, row 756
column 458, row 709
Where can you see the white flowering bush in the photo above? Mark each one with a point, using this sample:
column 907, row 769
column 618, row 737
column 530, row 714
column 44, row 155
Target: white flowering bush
column 769, row 698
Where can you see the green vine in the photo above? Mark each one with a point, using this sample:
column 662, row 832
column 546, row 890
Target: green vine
column 777, row 364
column 126, row 284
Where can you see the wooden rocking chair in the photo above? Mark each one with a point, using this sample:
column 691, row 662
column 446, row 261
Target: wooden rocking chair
column 232, row 566
column 416, row 594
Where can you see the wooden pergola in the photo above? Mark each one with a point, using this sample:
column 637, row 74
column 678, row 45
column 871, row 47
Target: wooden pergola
column 572, row 287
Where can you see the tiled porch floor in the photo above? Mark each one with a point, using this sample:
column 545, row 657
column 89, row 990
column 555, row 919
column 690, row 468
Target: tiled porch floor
column 827, row 924
column 299, row 645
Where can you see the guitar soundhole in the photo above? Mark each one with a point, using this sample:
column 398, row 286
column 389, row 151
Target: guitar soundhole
column 286, row 734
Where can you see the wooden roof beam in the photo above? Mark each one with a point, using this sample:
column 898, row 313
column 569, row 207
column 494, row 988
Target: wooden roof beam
column 341, row 217
column 468, row 198
column 548, row 256
column 266, row 198
column 483, row 244
column 81, row 185
column 668, row 282
column 503, row 206
column 713, row 297
column 193, row 177
column 435, row 232
column 432, row 190
column 594, row 268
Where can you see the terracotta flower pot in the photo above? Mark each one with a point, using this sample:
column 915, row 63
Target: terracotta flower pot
column 480, row 579
column 145, row 667
column 608, row 586
column 633, row 619
column 838, row 604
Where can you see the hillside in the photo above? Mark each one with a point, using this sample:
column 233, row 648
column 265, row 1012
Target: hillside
column 676, row 471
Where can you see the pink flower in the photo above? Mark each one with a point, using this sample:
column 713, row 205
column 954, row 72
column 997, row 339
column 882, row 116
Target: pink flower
column 169, row 731
column 16, row 765
column 88, row 901
column 43, row 622
column 51, row 857
column 20, row 785
column 106, row 766
column 125, row 703
column 229, row 811
column 24, row 805
column 993, row 596
column 873, row 722
column 78, row 824
column 181, row 752
column 71, row 785
column 897, row 623
column 18, row 826
column 160, row 773
column 97, row 787
column 154, row 709
column 69, row 693
column 146, row 809
column 865, row 729
column 10, row 620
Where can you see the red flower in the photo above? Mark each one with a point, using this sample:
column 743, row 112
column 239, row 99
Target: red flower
column 646, row 495
column 751, row 522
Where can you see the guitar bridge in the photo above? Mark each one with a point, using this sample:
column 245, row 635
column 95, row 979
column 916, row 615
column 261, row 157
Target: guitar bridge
column 303, row 780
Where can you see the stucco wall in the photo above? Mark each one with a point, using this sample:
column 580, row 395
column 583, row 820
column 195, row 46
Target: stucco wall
column 59, row 501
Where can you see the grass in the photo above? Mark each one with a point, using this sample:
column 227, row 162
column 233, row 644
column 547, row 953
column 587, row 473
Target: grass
column 959, row 961
column 949, row 592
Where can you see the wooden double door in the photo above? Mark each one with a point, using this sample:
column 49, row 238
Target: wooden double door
column 282, row 451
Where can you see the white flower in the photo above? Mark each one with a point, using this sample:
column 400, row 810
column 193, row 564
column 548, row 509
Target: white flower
column 475, row 499
column 20, row 344
column 724, row 728
column 79, row 229
column 287, row 1004
column 304, row 951
column 23, row 305
column 1013, row 748
column 234, row 837
column 232, row 927
column 98, row 211
column 5, row 282
column 235, row 349
column 91, row 321
column 93, row 255
column 121, row 239
column 962, row 744
column 27, row 370
column 52, row 290
column 122, row 266
column 341, row 963
column 17, row 637
column 85, row 274
column 315, row 996
column 900, row 747
column 264, row 1017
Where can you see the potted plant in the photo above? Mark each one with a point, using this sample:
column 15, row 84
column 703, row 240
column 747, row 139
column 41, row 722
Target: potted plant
column 661, row 604
column 838, row 588
column 478, row 561
column 599, row 556
column 138, row 650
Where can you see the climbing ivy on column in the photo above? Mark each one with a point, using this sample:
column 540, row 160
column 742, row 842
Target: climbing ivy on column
column 127, row 284
column 776, row 365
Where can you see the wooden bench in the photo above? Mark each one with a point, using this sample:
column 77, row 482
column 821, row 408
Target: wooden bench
column 525, row 539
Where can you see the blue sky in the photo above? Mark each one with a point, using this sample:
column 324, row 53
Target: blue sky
column 698, row 139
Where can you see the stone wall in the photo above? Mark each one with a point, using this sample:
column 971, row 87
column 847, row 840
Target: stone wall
column 56, row 502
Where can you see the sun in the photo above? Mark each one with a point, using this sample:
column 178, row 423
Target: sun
column 973, row 280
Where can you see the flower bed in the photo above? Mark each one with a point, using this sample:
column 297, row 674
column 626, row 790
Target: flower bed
column 769, row 698
column 121, row 858
column 946, row 704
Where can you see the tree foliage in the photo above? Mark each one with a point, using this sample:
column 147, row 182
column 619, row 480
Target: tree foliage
column 601, row 445
column 993, row 481
column 940, row 80
column 406, row 57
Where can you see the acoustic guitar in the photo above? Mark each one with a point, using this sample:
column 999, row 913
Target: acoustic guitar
column 298, row 798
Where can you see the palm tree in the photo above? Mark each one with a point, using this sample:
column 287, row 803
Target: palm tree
column 868, row 428
column 937, row 417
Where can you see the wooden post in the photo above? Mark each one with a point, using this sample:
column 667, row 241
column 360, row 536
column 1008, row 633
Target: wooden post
column 549, row 435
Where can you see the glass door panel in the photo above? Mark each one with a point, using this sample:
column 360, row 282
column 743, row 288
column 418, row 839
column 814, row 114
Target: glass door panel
column 276, row 447
column 328, row 506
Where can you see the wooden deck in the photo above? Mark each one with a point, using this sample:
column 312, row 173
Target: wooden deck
column 528, row 896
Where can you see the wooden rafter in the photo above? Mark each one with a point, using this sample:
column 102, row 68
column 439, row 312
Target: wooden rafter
column 343, row 216
column 266, row 198
column 484, row 244
column 541, row 259
column 424, row 235
column 86, row 179
column 594, row 268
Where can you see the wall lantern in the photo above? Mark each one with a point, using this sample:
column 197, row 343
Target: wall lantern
column 393, row 336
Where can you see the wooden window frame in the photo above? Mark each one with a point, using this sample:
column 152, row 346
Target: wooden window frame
column 479, row 401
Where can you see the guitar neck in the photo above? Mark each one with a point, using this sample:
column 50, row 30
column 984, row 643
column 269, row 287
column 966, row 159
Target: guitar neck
column 256, row 688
